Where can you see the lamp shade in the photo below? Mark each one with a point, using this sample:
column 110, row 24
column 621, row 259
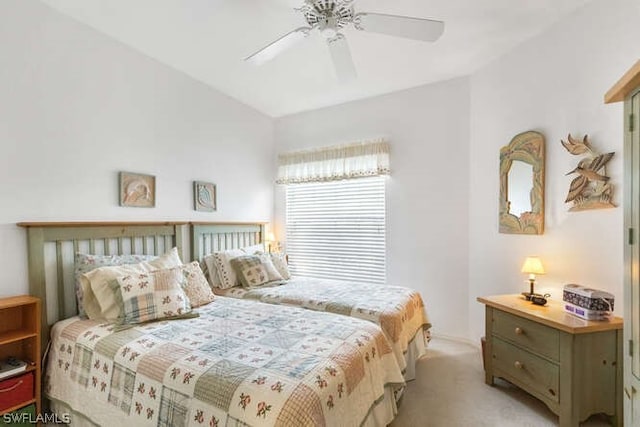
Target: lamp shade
column 271, row 237
column 532, row 265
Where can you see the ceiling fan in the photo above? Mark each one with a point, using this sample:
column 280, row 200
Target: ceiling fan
column 330, row 17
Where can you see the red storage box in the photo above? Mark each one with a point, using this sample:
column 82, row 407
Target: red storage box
column 16, row 390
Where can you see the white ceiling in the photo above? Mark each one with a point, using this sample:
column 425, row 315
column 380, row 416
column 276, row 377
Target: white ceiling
column 208, row 39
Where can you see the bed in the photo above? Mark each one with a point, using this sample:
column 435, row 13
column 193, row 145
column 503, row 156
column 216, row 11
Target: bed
column 399, row 311
column 240, row 362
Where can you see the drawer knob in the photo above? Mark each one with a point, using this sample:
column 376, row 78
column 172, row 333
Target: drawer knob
column 518, row 365
column 519, row 331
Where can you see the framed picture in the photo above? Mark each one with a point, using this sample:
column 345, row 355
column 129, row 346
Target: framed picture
column 204, row 196
column 137, row 190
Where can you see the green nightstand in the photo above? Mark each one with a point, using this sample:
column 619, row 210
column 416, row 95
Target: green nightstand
column 573, row 365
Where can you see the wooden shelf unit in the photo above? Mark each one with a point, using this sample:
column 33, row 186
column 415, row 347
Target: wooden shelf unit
column 20, row 337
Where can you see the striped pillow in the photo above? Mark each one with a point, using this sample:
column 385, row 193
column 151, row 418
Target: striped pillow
column 226, row 274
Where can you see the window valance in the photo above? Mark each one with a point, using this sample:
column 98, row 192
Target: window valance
column 335, row 163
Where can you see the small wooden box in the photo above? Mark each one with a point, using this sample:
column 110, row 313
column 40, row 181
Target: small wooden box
column 15, row 390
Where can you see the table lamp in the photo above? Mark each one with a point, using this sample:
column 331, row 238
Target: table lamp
column 271, row 240
column 532, row 266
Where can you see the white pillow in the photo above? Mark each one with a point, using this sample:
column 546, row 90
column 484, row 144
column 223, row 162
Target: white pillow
column 220, row 263
column 99, row 299
column 254, row 249
column 270, row 268
column 280, row 262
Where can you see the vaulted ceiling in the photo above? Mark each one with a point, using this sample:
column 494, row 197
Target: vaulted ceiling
column 208, row 39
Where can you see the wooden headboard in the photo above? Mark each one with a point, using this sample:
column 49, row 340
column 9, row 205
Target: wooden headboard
column 52, row 247
column 207, row 237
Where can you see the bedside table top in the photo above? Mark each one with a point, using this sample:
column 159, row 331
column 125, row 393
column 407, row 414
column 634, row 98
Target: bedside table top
column 552, row 314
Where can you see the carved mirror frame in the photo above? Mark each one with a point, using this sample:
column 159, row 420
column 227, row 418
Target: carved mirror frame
column 527, row 147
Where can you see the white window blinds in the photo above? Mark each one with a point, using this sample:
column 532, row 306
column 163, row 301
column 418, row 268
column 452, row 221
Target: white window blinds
column 336, row 229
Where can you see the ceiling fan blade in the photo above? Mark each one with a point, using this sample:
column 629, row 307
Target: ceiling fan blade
column 283, row 43
column 342, row 60
column 400, row 26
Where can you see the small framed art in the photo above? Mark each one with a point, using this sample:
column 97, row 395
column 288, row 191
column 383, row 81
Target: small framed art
column 137, row 190
column 204, row 196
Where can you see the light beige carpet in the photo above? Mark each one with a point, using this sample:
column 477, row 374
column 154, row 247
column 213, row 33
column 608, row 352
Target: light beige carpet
column 449, row 391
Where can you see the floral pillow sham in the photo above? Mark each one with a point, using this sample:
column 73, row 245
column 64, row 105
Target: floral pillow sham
column 255, row 270
column 84, row 263
column 153, row 295
column 98, row 300
column 195, row 285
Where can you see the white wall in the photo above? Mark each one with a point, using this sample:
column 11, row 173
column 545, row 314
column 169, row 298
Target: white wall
column 77, row 107
column 554, row 84
column 427, row 194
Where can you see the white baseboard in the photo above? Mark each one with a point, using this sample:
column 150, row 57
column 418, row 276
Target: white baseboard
column 456, row 339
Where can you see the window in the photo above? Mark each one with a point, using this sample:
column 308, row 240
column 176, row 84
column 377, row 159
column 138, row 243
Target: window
column 336, row 229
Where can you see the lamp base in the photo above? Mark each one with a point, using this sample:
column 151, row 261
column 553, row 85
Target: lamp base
column 529, row 296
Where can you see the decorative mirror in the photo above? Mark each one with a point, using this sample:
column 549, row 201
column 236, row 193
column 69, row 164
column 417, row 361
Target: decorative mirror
column 522, row 184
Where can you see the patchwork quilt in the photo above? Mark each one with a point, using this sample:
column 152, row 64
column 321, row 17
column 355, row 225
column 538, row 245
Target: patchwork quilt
column 399, row 311
column 239, row 363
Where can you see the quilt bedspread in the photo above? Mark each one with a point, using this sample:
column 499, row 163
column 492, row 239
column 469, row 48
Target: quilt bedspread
column 239, row 363
column 399, row 311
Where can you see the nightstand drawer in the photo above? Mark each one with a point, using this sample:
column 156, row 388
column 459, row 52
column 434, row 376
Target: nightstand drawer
column 534, row 373
column 534, row 336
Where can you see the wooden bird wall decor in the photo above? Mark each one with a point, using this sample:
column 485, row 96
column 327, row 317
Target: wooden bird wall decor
column 591, row 188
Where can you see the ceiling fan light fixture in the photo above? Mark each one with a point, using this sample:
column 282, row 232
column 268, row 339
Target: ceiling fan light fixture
column 328, row 33
column 328, row 28
column 336, row 14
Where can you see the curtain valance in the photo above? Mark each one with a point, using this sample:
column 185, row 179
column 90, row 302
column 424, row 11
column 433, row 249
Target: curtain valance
column 362, row 159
